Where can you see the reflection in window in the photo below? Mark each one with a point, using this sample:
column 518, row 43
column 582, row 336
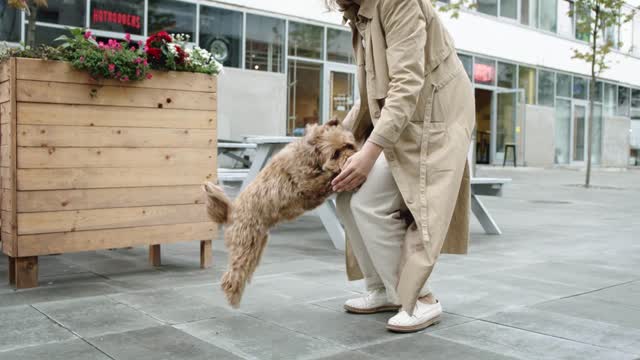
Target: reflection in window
column 548, row 15
column 635, row 104
column 565, row 22
column 484, row 71
column 623, row 101
column 305, row 40
column 118, row 16
column 221, row 34
column 304, row 95
column 506, row 75
column 563, row 85
column 580, row 88
column 173, row 17
column 582, row 22
column 265, row 43
column 48, row 35
column 489, row 7
column 596, row 150
column 546, row 85
column 467, row 63
column 339, row 47
column 563, row 131
column 635, row 47
column 610, row 99
column 598, row 95
column 9, row 23
column 529, row 12
column 527, row 81
column 509, row 9
column 63, row 12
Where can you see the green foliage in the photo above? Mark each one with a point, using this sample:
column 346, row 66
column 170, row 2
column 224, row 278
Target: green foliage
column 39, row 52
column 454, row 7
column 115, row 60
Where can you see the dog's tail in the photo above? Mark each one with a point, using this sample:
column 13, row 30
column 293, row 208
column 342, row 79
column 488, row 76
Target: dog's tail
column 219, row 206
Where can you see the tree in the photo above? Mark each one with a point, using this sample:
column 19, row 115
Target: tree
column 30, row 7
column 595, row 18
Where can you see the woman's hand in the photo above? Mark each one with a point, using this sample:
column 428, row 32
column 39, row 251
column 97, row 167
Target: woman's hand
column 357, row 168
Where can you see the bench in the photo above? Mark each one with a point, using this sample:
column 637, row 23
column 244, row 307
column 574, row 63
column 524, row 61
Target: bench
column 229, row 148
column 232, row 175
column 486, row 187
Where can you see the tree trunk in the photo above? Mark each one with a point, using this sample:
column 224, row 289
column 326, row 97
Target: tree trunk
column 592, row 95
column 31, row 27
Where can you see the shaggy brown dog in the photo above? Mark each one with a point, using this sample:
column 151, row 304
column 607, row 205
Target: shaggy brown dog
column 296, row 180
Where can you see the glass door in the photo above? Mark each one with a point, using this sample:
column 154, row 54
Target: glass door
column 579, row 132
column 340, row 91
column 508, row 114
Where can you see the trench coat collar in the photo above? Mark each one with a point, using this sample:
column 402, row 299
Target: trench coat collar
column 366, row 10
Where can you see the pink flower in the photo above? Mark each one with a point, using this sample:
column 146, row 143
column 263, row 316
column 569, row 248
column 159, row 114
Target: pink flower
column 101, row 45
column 118, row 74
column 137, row 72
column 133, row 48
column 81, row 59
column 87, row 34
column 124, row 78
column 138, row 60
column 145, row 62
column 127, row 37
column 149, row 76
column 140, row 43
column 112, row 67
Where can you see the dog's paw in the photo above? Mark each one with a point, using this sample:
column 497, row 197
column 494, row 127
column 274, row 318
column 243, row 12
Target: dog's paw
column 232, row 285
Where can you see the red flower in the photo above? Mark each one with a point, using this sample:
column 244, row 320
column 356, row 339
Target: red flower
column 181, row 55
column 155, row 53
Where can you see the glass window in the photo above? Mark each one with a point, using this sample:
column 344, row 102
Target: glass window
column 565, row 22
column 221, row 34
column 580, row 88
column 63, row 12
column 9, row 23
column 489, row 7
column 305, row 82
column 305, row 40
column 484, row 71
column 582, row 23
column 563, row 131
column 265, row 43
column 118, row 16
column 48, row 35
column 467, row 63
column 563, row 85
column 635, row 98
column 339, row 47
column 596, row 151
column 506, row 75
column 598, row 95
column 548, row 15
column 610, row 99
column 623, row 101
column 527, row 81
column 173, row 17
column 529, row 12
column 509, row 9
column 546, row 87
column 635, row 48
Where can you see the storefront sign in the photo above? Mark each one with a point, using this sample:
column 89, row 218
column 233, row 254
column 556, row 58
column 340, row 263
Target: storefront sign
column 100, row 16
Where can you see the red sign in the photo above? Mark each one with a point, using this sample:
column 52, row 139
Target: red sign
column 112, row 17
column 484, row 73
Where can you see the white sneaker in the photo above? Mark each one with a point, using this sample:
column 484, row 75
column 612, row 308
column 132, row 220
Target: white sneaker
column 373, row 302
column 423, row 316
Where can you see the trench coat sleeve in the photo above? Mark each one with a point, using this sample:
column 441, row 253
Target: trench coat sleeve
column 350, row 119
column 404, row 24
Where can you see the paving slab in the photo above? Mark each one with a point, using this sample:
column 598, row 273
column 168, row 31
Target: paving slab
column 24, row 326
column 524, row 344
column 54, row 292
column 159, row 343
column 421, row 346
column 350, row 355
column 66, row 350
column 253, row 338
column 578, row 329
column 96, row 316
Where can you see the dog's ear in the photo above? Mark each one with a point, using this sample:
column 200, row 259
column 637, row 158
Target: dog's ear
column 333, row 122
column 311, row 134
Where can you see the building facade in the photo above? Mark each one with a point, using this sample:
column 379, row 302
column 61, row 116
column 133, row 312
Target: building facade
column 289, row 63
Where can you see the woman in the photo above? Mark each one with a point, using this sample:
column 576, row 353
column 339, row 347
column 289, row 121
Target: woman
column 414, row 122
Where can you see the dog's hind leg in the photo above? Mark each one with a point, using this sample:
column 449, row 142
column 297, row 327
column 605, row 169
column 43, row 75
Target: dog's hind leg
column 243, row 261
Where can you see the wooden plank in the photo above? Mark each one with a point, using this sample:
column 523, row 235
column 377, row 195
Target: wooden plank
column 80, row 220
column 83, row 136
column 5, row 178
column 7, row 204
column 7, row 243
column 6, row 153
column 8, row 223
column 11, row 162
column 63, row 93
column 205, row 254
column 4, row 71
column 39, row 158
column 90, row 115
column 60, row 200
column 5, row 113
column 5, row 134
column 154, row 255
column 58, row 71
column 12, row 270
column 95, row 178
column 114, row 238
column 26, row 273
column 5, row 91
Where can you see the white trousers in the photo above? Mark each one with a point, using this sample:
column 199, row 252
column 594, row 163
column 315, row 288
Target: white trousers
column 375, row 231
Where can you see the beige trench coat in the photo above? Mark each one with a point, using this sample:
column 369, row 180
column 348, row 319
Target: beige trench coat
column 418, row 105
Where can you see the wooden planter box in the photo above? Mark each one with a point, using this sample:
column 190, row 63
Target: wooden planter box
column 89, row 165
